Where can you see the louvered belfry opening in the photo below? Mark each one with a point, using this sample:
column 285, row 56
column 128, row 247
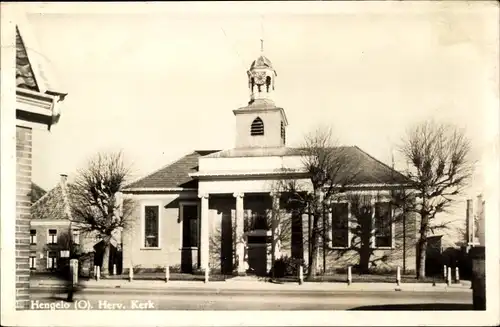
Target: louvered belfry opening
column 257, row 127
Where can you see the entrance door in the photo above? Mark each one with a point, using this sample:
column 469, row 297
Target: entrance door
column 190, row 236
column 257, row 249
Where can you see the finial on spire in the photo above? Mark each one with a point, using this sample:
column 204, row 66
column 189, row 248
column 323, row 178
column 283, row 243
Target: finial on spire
column 261, row 45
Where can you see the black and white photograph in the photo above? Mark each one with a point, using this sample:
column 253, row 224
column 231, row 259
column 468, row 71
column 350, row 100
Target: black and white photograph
column 252, row 163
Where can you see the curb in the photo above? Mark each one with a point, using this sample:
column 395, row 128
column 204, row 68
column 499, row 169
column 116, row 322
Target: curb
column 245, row 286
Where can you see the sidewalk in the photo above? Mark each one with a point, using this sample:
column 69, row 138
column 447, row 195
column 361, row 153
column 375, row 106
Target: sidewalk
column 254, row 285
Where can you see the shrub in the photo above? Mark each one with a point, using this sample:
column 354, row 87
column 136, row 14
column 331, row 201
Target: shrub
column 286, row 266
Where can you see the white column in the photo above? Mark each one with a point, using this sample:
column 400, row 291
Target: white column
column 240, row 241
column 204, row 240
column 275, row 225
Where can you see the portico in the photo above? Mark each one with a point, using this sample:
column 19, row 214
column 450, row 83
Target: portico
column 256, row 229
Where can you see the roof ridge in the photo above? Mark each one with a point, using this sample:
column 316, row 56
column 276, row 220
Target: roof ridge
column 160, row 169
column 46, row 194
column 65, row 196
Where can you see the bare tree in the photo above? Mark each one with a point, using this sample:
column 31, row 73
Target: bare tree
column 439, row 169
column 329, row 169
column 96, row 205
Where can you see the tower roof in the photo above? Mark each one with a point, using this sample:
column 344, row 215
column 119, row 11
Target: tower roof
column 262, row 62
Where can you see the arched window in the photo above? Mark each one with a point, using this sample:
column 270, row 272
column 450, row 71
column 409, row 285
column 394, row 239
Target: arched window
column 257, row 127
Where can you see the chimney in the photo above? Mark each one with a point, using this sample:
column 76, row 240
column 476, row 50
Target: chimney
column 64, row 179
column 481, row 218
column 470, row 223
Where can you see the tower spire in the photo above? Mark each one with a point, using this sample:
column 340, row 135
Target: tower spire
column 262, row 33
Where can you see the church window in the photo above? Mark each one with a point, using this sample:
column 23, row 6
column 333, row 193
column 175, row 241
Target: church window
column 340, row 225
column 151, row 226
column 257, row 127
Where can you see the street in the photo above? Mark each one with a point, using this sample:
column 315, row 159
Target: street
column 126, row 299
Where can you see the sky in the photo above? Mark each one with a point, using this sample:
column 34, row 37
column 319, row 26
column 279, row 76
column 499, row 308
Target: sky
column 159, row 85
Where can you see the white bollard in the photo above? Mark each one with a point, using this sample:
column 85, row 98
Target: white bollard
column 457, row 275
column 349, row 275
column 206, row 275
column 398, row 275
column 301, row 275
column 98, row 273
column 167, row 273
column 114, row 269
column 444, row 272
column 73, row 264
column 448, row 276
column 131, row 274
column 95, row 271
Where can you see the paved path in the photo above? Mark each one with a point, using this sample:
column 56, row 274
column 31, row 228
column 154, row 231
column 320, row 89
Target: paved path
column 177, row 299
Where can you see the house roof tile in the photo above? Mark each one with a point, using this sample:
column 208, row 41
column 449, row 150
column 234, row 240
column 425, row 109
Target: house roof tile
column 25, row 77
column 53, row 205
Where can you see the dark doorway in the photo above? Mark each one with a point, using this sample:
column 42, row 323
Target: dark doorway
column 297, row 236
column 190, row 237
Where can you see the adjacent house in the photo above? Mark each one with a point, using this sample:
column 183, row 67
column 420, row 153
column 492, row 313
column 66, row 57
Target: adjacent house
column 210, row 208
column 55, row 235
column 37, row 106
column 51, row 235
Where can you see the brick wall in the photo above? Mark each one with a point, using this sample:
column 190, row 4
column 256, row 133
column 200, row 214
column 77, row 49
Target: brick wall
column 23, row 215
column 40, row 248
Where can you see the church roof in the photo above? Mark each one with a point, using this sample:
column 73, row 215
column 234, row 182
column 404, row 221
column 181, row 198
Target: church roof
column 176, row 175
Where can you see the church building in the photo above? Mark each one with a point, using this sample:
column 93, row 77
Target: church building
column 210, row 209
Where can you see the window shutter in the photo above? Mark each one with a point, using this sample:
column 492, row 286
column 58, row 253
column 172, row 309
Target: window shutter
column 34, row 262
column 55, row 262
column 55, row 238
column 48, row 260
column 34, row 239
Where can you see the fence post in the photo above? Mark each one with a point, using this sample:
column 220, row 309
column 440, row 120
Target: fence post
column 114, row 269
column 301, row 275
column 131, row 274
column 457, row 275
column 98, row 273
column 448, row 276
column 444, row 271
column 398, row 275
column 349, row 275
column 167, row 273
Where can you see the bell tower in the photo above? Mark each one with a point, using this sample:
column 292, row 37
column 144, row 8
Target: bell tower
column 261, row 123
column 261, row 77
